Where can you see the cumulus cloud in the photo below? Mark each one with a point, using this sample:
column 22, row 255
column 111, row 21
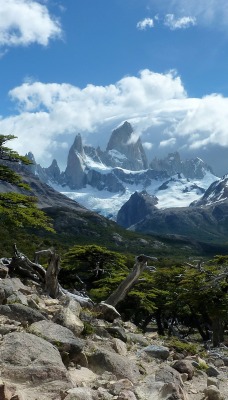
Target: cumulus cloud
column 47, row 111
column 147, row 145
column 179, row 23
column 23, row 22
column 207, row 123
column 206, row 12
column 145, row 23
column 50, row 115
column 168, row 142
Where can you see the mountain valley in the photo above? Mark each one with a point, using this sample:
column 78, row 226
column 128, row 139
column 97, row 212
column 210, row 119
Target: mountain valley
column 177, row 197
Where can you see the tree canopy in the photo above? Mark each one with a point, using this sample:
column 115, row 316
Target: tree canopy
column 15, row 208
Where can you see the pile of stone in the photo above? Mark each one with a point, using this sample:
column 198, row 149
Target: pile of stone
column 53, row 349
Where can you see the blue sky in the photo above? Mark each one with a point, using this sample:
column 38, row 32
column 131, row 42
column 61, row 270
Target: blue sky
column 70, row 66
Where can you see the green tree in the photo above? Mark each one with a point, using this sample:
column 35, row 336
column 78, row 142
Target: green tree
column 94, row 269
column 15, row 208
column 206, row 293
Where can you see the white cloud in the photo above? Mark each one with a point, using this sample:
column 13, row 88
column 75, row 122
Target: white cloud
column 47, row 111
column 207, row 123
column 179, row 23
column 147, row 145
column 145, row 23
column 168, row 142
column 206, row 12
column 23, row 22
column 50, row 115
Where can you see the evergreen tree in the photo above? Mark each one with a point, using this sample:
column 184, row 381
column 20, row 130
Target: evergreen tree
column 17, row 209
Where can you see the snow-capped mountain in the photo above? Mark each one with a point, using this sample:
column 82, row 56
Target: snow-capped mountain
column 104, row 180
column 217, row 192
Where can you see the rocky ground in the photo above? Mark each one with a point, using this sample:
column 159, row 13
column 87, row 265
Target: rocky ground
column 53, row 349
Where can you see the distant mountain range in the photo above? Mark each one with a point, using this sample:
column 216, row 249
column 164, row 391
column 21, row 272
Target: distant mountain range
column 166, row 196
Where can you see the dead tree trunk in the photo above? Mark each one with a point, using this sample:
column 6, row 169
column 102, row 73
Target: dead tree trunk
column 23, row 266
column 120, row 293
column 52, row 286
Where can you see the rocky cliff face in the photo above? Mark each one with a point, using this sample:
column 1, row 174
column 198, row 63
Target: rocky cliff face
column 136, row 209
column 216, row 193
column 125, row 150
column 203, row 223
column 123, row 162
column 74, row 174
column 192, row 169
column 99, row 169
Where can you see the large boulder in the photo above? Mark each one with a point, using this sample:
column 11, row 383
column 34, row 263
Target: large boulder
column 80, row 393
column 168, row 375
column 21, row 313
column 160, row 391
column 184, row 366
column 68, row 316
column 30, row 359
column 117, row 332
column 58, row 335
column 122, row 367
column 156, row 351
column 12, row 287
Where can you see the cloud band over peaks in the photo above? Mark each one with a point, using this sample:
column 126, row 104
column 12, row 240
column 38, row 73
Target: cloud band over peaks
column 156, row 104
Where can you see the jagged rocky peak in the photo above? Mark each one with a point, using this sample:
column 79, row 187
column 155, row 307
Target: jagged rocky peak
column 74, row 173
column 53, row 171
column 192, row 169
column 31, row 167
column 122, row 147
column 216, row 193
column 172, row 163
column 77, row 145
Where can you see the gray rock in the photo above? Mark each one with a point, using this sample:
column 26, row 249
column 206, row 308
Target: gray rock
column 58, row 335
column 168, row 375
column 212, row 381
column 79, row 393
column 30, row 359
column 184, row 366
column 119, row 346
column 150, row 390
column 118, row 386
column 21, row 313
column 12, row 287
column 212, row 393
column 117, row 332
column 212, row 371
column 68, row 316
column 160, row 352
column 170, row 391
column 126, row 395
column 107, row 312
column 8, row 328
column 17, row 298
column 195, row 364
column 103, row 360
column 225, row 360
column 137, row 338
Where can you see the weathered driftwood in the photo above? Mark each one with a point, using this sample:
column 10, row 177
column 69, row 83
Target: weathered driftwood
column 120, row 293
column 23, row 266
column 52, row 286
